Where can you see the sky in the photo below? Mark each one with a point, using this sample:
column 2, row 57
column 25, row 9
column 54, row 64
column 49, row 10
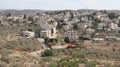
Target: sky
column 60, row 4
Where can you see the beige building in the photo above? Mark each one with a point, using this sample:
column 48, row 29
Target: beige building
column 28, row 34
column 52, row 33
column 113, row 26
column 72, row 35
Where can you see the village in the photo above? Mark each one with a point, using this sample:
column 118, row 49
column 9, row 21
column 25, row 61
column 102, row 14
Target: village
column 71, row 25
column 63, row 30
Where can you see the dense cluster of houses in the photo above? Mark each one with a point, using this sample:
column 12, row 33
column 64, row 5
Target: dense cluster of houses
column 74, row 24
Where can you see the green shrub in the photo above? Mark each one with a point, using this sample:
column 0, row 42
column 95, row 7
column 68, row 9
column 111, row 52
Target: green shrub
column 47, row 53
column 67, row 62
column 91, row 64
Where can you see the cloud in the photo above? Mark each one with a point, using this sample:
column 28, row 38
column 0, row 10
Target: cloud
column 38, row 1
column 59, row 4
column 90, row 3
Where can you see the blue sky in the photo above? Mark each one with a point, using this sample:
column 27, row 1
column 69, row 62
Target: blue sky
column 60, row 4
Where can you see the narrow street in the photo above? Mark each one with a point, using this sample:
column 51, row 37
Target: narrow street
column 45, row 47
column 42, row 42
column 38, row 52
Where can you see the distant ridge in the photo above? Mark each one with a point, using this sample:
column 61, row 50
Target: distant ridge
column 20, row 12
column 34, row 11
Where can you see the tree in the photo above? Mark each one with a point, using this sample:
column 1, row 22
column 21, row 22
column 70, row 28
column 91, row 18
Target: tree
column 59, row 26
column 52, row 31
column 119, row 24
column 47, row 40
column 98, row 20
column 94, row 13
column 24, row 16
column 94, row 24
column 71, row 17
column 75, row 26
column 8, row 15
column 37, row 33
column 30, row 18
column 61, row 20
column 37, row 14
column 66, row 40
column 47, row 53
column 92, row 35
column 103, row 11
column 112, row 15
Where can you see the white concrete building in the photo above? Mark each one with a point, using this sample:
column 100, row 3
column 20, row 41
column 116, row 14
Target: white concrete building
column 89, row 31
column 51, row 33
column 83, row 25
column 28, row 34
column 110, row 38
column 113, row 26
column 117, row 39
column 103, row 17
column 72, row 35
column 45, row 33
column 98, row 40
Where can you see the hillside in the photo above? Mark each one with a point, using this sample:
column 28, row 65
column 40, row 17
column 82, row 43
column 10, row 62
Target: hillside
column 20, row 12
